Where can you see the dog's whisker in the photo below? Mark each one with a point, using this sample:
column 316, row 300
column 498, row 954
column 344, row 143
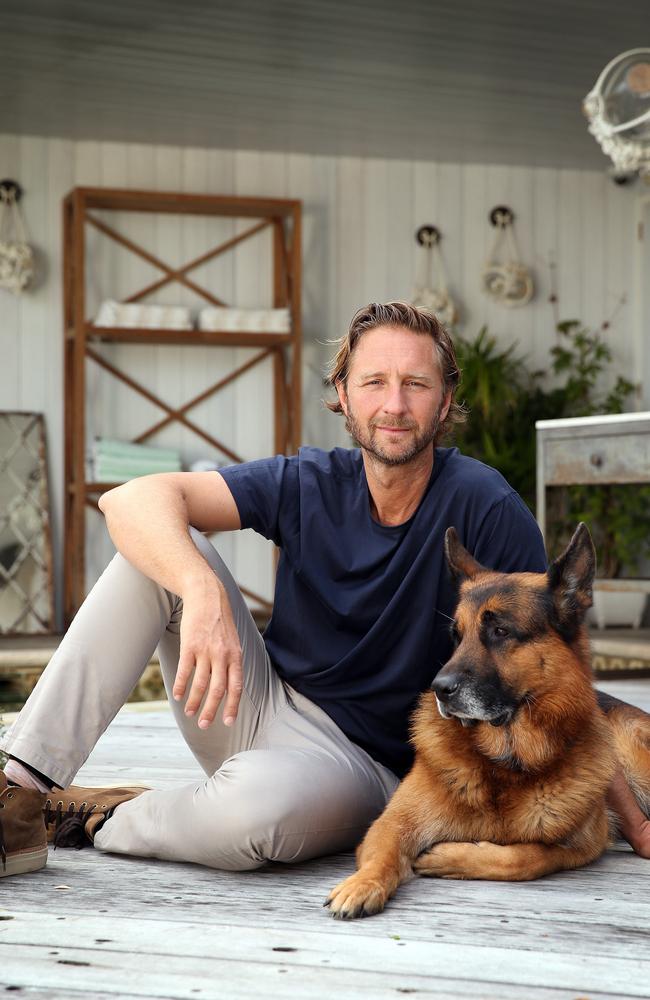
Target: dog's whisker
column 448, row 617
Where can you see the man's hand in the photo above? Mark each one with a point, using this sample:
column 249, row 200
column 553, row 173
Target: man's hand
column 211, row 649
column 633, row 824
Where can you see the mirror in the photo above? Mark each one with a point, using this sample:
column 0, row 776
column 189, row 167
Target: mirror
column 26, row 589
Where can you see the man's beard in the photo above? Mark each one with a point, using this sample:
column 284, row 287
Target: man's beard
column 367, row 439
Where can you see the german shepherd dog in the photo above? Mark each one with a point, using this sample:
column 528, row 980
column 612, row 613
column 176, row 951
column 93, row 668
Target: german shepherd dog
column 514, row 754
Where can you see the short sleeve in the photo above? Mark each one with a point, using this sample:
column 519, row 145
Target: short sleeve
column 509, row 539
column 263, row 493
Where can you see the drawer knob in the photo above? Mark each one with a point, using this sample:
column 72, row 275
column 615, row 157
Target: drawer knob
column 597, row 460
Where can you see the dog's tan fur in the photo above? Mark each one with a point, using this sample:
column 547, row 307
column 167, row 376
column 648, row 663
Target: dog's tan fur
column 515, row 801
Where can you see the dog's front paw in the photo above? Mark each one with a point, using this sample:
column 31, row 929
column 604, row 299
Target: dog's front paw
column 447, row 860
column 357, row 896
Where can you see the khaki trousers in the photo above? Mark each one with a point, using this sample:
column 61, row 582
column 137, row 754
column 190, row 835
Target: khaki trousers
column 282, row 784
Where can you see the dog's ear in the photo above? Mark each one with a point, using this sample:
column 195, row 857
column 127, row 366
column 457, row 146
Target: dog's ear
column 462, row 565
column 571, row 576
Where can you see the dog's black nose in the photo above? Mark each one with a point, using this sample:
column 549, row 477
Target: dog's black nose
column 445, row 685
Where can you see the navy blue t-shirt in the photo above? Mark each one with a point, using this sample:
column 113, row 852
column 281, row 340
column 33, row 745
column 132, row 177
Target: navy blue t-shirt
column 361, row 611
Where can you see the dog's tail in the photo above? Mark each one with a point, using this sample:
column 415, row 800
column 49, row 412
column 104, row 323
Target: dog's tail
column 631, row 729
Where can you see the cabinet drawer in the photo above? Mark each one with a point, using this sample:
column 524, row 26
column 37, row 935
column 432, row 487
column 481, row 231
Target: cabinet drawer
column 618, row 458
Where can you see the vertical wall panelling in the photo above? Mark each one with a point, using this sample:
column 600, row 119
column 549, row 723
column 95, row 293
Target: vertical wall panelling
column 595, row 306
column 476, row 231
column 399, row 211
column 14, row 318
column 620, row 237
column 350, row 238
column 544, row 224
column 570, row 241
column 379, row 232
column 640, row 311
column 450, row 214
column 359, row 222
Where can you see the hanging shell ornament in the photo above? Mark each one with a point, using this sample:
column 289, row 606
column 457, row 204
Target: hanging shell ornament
column 431, row 290
column 508, row 282
column 16, row 257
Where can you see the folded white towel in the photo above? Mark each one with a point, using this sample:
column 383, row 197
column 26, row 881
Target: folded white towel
column 133, row 314
column 245, row 320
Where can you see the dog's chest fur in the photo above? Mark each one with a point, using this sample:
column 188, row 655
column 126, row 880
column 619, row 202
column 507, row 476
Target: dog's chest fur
column 484, row 778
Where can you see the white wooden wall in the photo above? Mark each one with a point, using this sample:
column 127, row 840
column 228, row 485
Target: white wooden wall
column 360, row 218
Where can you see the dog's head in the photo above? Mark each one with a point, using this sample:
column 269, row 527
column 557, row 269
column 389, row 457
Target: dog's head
column 513, row 631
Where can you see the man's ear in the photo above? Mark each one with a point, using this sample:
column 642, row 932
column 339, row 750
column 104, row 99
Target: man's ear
column 445, row 406
column 462, row 565
column 343, row 396
column 571, row 576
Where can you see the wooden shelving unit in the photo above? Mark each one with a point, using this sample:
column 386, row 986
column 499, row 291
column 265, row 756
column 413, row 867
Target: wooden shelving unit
column 284, row 216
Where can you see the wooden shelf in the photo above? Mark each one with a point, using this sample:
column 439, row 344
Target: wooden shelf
column 187, row 338
column 283, row 350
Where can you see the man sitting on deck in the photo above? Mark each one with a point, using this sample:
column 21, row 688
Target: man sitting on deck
column 312, row 736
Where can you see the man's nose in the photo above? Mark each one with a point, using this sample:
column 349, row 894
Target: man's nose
column 394, row 401
column 445, row 685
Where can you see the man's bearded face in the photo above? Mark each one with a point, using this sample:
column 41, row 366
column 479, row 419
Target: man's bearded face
column 393, row 400
column 394, row 442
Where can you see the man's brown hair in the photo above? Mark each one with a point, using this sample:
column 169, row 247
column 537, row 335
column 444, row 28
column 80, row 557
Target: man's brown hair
column 404, row 316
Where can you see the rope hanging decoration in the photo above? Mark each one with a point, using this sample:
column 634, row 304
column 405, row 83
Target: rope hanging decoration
column 16, row 256
column 506, row 281
column 431, row 291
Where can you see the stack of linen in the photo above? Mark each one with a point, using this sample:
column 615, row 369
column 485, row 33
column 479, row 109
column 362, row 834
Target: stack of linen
column 151, row 317
column 245, row 320
column 119, row 461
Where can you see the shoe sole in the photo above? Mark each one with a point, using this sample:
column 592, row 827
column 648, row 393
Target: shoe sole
column 25, row 861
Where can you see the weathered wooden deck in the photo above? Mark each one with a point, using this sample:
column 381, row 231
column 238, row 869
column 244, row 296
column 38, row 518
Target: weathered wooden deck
column 92, row 925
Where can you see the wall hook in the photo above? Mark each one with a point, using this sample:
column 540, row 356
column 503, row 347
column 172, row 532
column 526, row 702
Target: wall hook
column 502, row 216
column 11, row 187
column 428, row 236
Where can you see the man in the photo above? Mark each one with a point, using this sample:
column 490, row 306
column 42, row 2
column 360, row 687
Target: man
column 312, row 731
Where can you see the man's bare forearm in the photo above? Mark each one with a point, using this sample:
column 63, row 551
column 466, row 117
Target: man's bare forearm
column 148, row 520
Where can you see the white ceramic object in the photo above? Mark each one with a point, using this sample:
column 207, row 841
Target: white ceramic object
column 618, row 603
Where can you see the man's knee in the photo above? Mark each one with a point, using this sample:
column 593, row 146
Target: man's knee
column 267, row 805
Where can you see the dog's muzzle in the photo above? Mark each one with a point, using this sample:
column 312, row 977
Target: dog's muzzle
column 458, row 697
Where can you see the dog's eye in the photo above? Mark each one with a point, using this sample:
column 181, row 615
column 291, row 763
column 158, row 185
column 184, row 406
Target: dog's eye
column 500, row 632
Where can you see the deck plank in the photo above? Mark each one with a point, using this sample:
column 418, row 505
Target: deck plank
column 94, row 925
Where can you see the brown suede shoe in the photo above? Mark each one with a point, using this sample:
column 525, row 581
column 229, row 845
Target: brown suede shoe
column 23, row 844
column 73, row 815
